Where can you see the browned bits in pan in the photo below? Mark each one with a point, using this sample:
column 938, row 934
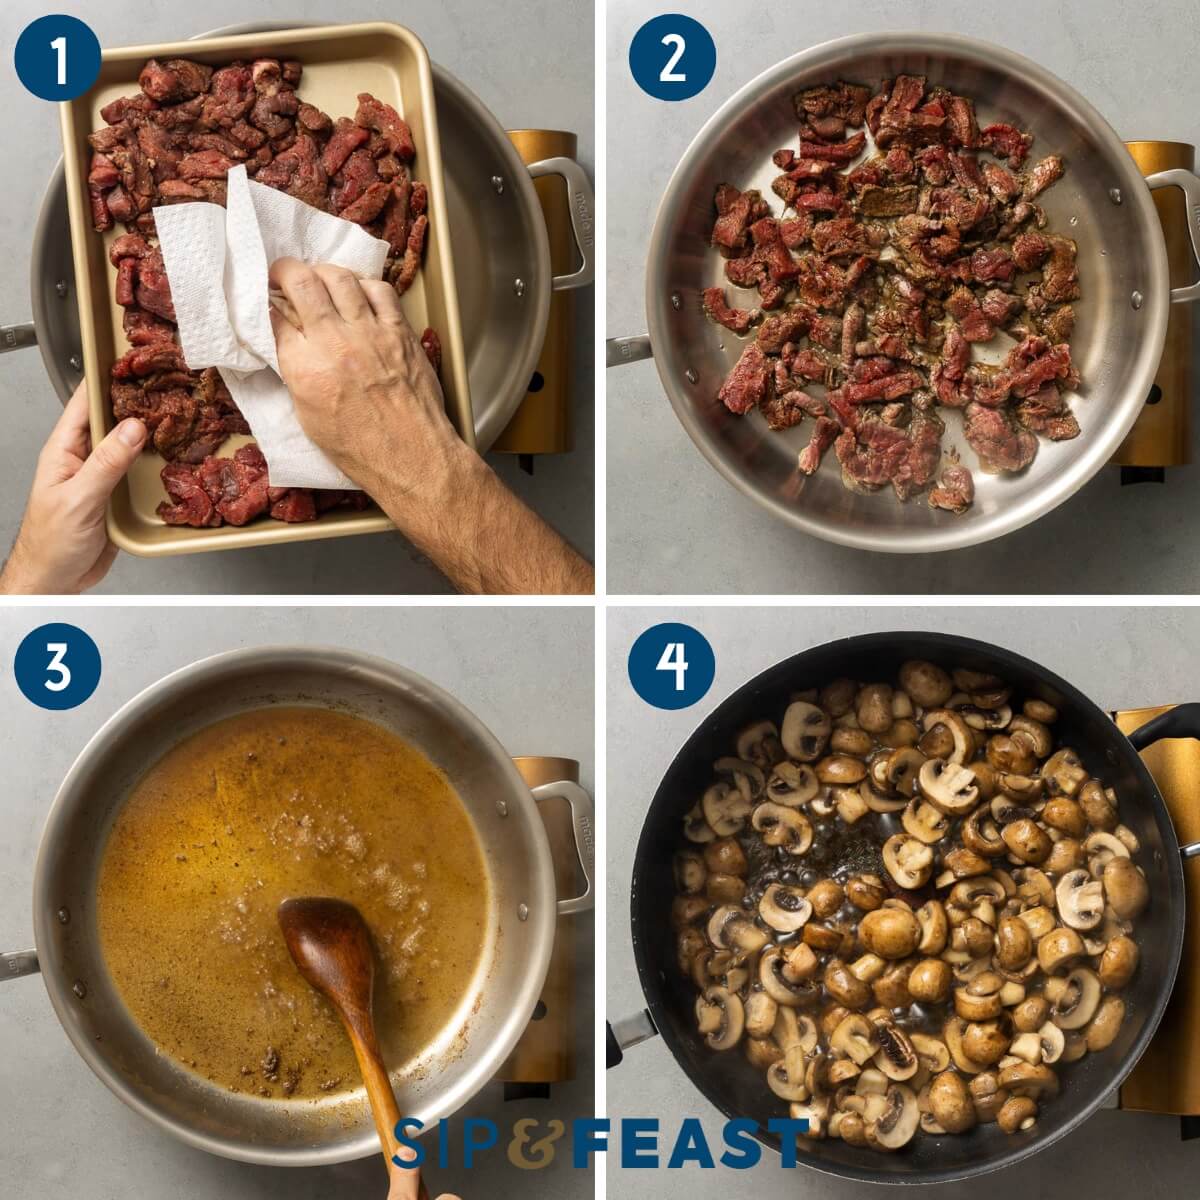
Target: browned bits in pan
column 908, row 933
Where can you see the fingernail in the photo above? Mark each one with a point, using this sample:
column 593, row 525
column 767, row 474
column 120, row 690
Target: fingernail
column 132, row 432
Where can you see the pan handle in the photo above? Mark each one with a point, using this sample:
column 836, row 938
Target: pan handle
column 583, row 818
column 17, row 963
column 17, row 337
column 1178, row 177
column 627, row 1032
column 618, row 351
column 1182, row 721
column 581, row 200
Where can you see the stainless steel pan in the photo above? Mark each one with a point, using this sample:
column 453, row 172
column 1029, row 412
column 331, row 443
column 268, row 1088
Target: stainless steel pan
column 503, row 258
column 730, row 1083
column 503, row 810
column 1103, row 202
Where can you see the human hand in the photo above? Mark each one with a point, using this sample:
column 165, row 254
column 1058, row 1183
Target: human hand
column 363, row 388
column 62, row 546
column 406, row 1184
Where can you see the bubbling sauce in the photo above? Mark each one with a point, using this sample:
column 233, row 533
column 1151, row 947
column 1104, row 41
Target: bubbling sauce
column 286, row 802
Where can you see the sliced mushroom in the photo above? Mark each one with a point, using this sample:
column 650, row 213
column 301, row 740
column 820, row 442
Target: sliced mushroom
column 805, row 731
column 902, row 769
column 895, row 1126
column 896, row 1057
column 948, row 786
column 930, row 980
column 720, row 1017
column 935, row 927
column 892, row 933
column 986, row 1042
column 1118, row 962
column 837, row 698
column 1012, row 754
column 1017, row 1113
column 761, row 1011
column 1059, row 950
column 1106, row 1024
column 865, row 892
column 729, row 928
column 986, row 719
column 725, row 856
column 781, row 826
column 696, row 827
column 746, row 777
column 1026, row 840
column 845, row 987
column 785, row 991
column 1101, row 849
column 950, row 1102
column 924, row 822
column 841, row 769
column 1080, row 900
column 690, row 872
column 856, row 1038
column 1033, row 732
column 1052, row 1042
column 962, row 739
column 725, row 809
column 1125, row 888
column 1077, row 1002
column 1064, row 814
column 980, row 999
column 792, row 784
column 908, row 861
column 926, row 683
column 981, row 834
column 1025, row 1079
column 1014, row 944
column 873, row 707
column 784, row 908
column 1064, row 773
column 759, row 743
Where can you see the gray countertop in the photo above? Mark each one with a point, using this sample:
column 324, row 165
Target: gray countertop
column 1119, row 657
column 489, row 49
column 525, row 672
column 674, row 525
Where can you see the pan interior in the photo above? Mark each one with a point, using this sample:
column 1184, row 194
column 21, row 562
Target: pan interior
column 740, row 1090
column 1115, row 345
column 245, row 1126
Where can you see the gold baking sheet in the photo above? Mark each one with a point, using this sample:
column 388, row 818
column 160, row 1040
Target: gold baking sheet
column 339, row 61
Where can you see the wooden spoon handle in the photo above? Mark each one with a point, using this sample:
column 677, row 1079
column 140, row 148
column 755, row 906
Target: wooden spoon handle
column 384, row 1108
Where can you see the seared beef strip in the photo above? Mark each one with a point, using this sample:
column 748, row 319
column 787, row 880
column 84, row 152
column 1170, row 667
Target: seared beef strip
column 895, row 264
column 174, row 142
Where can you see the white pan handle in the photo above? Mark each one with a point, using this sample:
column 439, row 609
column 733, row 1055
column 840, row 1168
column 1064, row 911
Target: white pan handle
column 17, row 337
column 582, row 204
column 1178, row 177
column 583, row 818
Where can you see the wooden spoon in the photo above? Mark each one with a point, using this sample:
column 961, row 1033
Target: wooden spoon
column 330, row 943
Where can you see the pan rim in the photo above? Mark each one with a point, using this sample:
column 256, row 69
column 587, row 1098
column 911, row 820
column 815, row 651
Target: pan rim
column 542, row 901
column 1120, row 415
column 952, row 642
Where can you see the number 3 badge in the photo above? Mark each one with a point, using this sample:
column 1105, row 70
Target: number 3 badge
column 672, row 57
column 57, row 666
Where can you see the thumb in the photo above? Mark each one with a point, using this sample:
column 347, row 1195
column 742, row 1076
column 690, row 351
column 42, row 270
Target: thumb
column 107, row 464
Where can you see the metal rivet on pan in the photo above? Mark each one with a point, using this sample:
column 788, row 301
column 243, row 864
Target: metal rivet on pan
column 1136, row 299
column 1114, row 194
column 75, row 362
column 61, row 287
column 523, row 912
column 690, row 375
column 64, row 916
column 518, row 287
column 502, row 807
column 79, row 988
column 498, row 184
column 676, row 301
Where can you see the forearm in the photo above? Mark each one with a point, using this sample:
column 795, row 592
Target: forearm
column 482, row 538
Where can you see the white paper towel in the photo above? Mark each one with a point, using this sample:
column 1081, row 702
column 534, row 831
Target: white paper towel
column 217, row 260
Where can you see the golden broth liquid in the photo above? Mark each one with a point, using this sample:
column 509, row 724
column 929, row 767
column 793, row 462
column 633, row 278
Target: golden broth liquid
column 266, row 805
